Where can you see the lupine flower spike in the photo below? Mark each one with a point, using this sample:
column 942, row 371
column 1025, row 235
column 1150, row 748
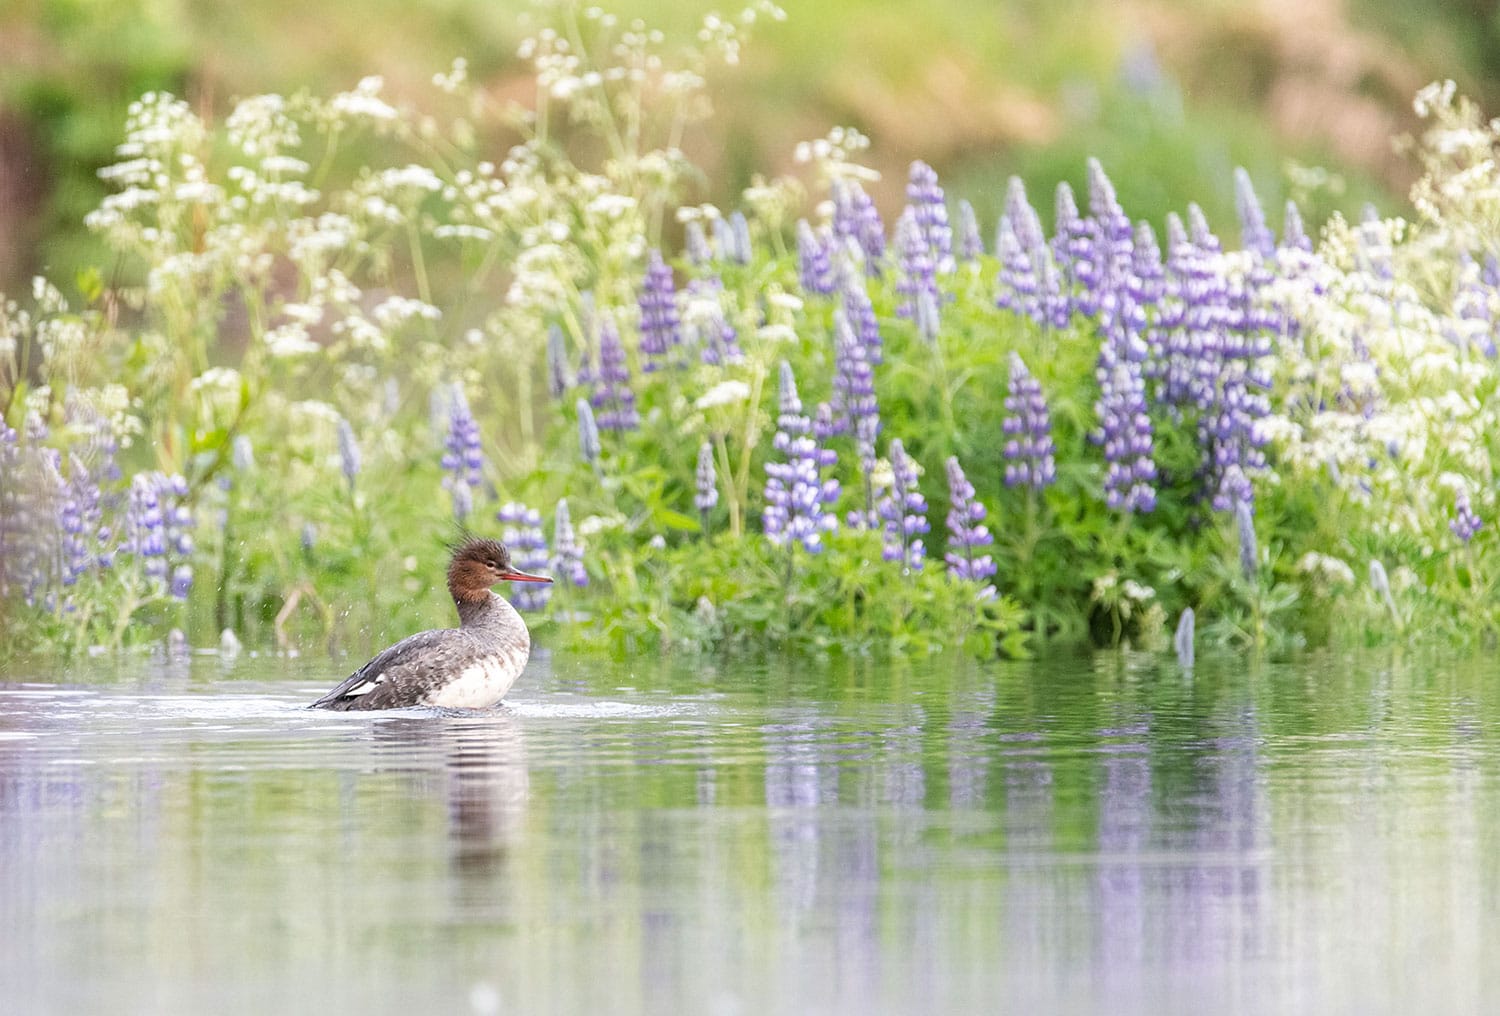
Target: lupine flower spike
column 904, row 512
column 567, row 551
column 967, row 534
column 661, row 331
column 706, row 495
column 613, row 399
column 1028, row 449
column 588, row 433
column 1465, row 524
column 349, row 456
column 797, row 496
column 463, row 456
column 522, row 533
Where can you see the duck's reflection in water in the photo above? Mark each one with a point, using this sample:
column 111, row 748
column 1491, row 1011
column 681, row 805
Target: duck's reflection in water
column 478, row 764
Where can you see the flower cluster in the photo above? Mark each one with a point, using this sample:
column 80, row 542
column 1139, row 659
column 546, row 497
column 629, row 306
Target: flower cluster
column 705, row 483
column 926, row 205
column 613, row 400
column 903, row 510
column 967, row 533
column 705, row 325
column 814, row 260
column 157, row 531
column 797, row 495
column 1465, row 523
column 1028, row 448
column 567, row 550
column 463, row 454
column 916, row 268
column 522, row 533
column 661, row 330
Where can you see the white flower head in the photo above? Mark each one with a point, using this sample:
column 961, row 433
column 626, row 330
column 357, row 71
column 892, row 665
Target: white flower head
column 725, row 393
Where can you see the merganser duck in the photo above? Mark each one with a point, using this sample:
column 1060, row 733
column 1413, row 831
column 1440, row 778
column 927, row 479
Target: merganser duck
column 468, row 667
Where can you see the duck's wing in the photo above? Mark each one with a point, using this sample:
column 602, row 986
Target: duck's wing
column 390, row 678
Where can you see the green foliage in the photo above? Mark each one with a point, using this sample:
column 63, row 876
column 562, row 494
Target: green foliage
column 267, row 312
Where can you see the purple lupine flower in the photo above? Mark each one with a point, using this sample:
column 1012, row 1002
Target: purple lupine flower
column 1192, row 290
column 904, row 511
column 613, row 400
column 1125, row 433
column 861, row 313
column 145, row 530
column 1028, row 448
column 695, row 242
column 661, row 331
column 349, row 456
column 1293, row 233
column 1018, row 284
column 970, row 243
column 705, row 325
column 1147, row 274
column 558, row 381
column 929, row 322
column 928, row 209
column 1255, row 235
column 158, row 531
column 706, row 483
column 522, row 533
column 463, row 454
column 588, row 432
column 1073, row 243
column 1244, row 521
column 966, row 531
column 1113, row 230
column 1464, row 524
column 27, row 529
column 797, row 496
column 854, row 408
column 856, row 219
column 723, row 241
column 241, row 454
column 182, row 582
column 741, row 250
column 80, row 519
column 1029, row 282
column 732, row 239
column 1209, row 358
column 814, row 263
column 1470, row 325
column 1107, row 273
column 916, row 267
column 567, row 551
column 1198, row 230
column 1022, row 217
column 853, row 378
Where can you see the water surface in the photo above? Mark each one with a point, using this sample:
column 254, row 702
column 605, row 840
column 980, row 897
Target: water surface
column 1077, row 835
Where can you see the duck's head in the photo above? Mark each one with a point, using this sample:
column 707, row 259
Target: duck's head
column 479, row 564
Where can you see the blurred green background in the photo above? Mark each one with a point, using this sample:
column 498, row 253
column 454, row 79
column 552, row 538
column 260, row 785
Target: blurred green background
column 1170, row 95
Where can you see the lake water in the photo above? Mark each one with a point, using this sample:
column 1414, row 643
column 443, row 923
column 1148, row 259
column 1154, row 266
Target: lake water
column 1077, row 835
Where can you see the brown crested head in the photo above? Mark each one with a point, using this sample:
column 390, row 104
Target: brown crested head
column 477, row 565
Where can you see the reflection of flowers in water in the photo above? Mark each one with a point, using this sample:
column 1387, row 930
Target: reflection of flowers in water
column 1182, row 884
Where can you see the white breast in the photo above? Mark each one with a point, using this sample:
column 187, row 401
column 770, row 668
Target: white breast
column 482, row 683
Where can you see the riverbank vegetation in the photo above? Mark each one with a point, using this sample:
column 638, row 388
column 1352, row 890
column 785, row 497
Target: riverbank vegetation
column 337, row 329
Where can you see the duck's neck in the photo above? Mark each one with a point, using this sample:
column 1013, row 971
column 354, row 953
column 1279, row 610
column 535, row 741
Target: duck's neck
column 492, row 616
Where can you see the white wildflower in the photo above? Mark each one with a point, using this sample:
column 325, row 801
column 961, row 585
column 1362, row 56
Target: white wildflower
column 364, row 102
column 290, row 339
column 725, row 393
